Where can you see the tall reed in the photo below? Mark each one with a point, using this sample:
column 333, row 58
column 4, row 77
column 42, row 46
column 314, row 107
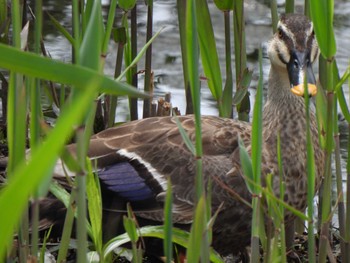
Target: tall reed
column 322, row 16
column 35, row 116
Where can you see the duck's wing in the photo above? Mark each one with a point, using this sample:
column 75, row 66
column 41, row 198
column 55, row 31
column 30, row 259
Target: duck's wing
column 135, row 160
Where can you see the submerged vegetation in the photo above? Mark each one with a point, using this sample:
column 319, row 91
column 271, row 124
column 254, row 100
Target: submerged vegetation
column 85, row 101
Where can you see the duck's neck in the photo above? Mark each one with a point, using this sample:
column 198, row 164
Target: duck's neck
column 282, row 104
column 284, row 115
column 279, row 86
column 284, row 112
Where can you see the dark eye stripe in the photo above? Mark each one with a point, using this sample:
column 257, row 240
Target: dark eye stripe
column 279, row 54
column 280, row 33
column 286, row 36
column 312, row 46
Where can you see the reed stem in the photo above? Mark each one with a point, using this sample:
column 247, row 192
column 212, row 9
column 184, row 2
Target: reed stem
column 326, row 200
column 35, row 116
column 181, row 11
column 113, row 100
column 228, row 89
column 133, row 54
column 307, row 8
column 311, row 175
column 347, row 217
column 16, row 128
column 274, row 15
column 289, row 6
column 340, row 193
column 243, row 108
column 68, row 225
column 148, row 86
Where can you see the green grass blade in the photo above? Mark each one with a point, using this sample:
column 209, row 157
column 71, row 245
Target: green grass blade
column 40, row 67
column 89, row 56
column 35, row 118
column 68, row 222
column 168, row 224
column 228, row 89
column 126, row 5
column 274, row 15
column 3, row 11
column 185, row 136
column 289, row 6
column 16, row 120
column 240, row 56
column 347, row 216
column 257, row 126
column 339, row 186
column 208, row 50
column 311, row 175
column 340, row 95
column 244, row 85
column 278, row 200
column 61, row 194
column 90, row 51
column 246, row 163
column 327, row 181
column 256, row 163
column 322, row 16
column 224, row 5
column 198, row 229
column 127, row 50
column 42, row 160
column 93, row 193
column 16, row 99
column 139, row 55
column 130, row 226
column 321, row 115
column 130, row 50
column 43, row 248
column 61, row 29
column 282, row 191
column 181, row 11
column 180, row 237
column 256, row 225
column 76, row 28
column 109, row 25
column 193, row 62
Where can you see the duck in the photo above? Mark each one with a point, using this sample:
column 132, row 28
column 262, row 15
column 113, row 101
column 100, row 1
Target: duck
column 135, row 160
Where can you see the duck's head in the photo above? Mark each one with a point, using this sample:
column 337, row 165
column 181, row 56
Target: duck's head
column 294, row 48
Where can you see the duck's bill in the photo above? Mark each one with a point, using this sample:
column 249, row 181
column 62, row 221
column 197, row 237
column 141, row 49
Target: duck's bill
column 299, row 72
column 300, row 89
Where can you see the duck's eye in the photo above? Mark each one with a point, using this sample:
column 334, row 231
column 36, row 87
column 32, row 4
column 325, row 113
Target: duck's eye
column 296, row 64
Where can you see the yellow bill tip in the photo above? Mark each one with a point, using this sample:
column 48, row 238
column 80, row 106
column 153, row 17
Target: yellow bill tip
column 299, row 89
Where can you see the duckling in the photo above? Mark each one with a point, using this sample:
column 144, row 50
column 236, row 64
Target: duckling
column 135, row 160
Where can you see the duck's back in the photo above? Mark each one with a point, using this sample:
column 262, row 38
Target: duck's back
column 135, row 160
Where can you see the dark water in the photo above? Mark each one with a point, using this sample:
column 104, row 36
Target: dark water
column 167, row 64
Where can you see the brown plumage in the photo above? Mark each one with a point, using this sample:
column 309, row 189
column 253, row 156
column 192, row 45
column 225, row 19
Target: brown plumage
column 153, row 150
